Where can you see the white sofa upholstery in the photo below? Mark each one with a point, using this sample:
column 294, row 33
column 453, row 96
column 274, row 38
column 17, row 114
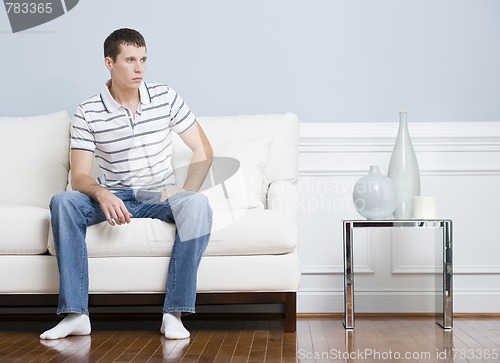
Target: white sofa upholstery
column 251, row 257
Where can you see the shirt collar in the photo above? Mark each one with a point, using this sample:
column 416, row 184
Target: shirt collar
column 110, row 103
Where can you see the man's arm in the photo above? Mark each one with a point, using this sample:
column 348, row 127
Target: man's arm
column 197, row 141
column 81, row 167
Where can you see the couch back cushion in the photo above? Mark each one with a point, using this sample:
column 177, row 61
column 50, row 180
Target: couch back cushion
column 282, row 161
column 250, row 152
column 35, row 158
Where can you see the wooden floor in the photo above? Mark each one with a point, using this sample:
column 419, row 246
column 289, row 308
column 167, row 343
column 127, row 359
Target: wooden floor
column 316, row 340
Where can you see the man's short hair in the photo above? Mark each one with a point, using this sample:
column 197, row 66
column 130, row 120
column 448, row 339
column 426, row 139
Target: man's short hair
column 120, row 37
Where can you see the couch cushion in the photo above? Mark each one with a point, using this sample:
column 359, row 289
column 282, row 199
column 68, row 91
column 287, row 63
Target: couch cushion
column 23, row 230
column 282, row 160
column 35, row 157
column 235, row 232
column 253, row 232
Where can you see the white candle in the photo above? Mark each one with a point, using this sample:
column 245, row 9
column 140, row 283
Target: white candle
column 424, row 207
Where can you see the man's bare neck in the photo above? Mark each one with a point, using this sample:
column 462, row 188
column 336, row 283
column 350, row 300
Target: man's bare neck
column 126, row 98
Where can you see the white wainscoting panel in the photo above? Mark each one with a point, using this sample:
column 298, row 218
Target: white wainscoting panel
column 396, row 270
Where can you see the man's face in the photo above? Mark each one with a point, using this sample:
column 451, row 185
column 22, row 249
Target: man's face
column 127, row 71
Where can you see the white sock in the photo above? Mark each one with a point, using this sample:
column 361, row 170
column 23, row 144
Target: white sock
column 172, row 326
column 72, row 324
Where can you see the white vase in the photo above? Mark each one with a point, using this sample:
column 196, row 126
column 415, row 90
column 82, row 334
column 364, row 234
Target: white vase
column 374, row 195
column 403, row 169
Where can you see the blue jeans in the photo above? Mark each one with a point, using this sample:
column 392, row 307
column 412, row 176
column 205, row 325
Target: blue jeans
column 72, row 212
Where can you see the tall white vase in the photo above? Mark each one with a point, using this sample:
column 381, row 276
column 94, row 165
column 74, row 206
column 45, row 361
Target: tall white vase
column 403, row 169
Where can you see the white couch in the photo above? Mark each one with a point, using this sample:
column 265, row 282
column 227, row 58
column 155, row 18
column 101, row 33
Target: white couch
column 251, row 257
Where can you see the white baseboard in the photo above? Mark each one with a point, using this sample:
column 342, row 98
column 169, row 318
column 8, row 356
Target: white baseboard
column 397, row 302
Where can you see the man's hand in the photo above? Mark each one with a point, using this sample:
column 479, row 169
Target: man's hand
column 165, row 194
column 113, row 208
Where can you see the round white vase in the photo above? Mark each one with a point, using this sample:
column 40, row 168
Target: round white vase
column 403, row 169
column 374, row 195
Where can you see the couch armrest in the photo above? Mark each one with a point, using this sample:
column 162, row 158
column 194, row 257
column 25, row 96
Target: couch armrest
column 282, row 195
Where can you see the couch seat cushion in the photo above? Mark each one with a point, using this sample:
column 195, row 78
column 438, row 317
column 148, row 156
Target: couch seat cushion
column 234, row 232
column 23, row 229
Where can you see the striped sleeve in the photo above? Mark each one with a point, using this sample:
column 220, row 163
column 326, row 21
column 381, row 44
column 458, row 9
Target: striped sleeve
column 181, row 116
column 82, row 137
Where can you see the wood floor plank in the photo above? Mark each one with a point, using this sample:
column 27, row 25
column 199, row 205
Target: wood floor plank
column 259, row 346
column 219, row 332
column 242, row 350
column 489, row 339
column 154, row 349
column 316, row 340
column 198, row 344
column 274, row 352
column 228, row 346
column 412, row 341
column 305, row 348
column 319, row 342
column 136, row 344
column 474, row 345
column 359, row 344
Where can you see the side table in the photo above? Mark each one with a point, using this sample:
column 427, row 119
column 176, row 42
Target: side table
column 445, row 312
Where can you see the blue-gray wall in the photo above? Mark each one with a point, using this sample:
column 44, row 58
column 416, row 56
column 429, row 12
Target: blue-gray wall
column 325, row 60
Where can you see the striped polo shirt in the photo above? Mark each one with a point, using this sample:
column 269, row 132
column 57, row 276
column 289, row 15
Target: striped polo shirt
column 132, row 153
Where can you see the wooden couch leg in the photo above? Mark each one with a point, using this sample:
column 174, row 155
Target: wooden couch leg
column 290, row 323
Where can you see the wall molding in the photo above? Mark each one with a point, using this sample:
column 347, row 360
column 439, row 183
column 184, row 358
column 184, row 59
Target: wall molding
column 389, row 301
column 380, row 137
column 400, row 292
column 435, row 172
column 457, row 270
column 322, row 270
column 478, row 269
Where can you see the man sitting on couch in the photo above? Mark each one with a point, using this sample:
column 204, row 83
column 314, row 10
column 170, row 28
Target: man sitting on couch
column 127, row 129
